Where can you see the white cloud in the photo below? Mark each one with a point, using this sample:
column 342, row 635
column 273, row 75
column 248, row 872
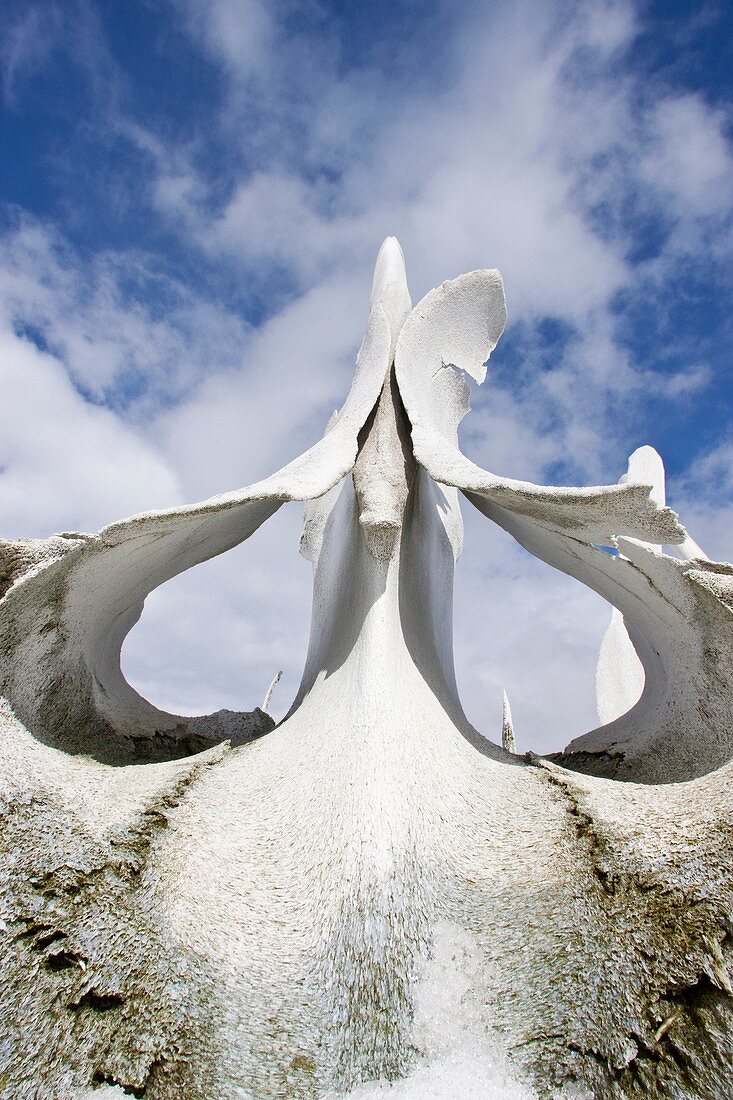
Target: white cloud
column 243, row 424
column 476, row 170
column 688, row 157
column 143, row 346
column 216, row 636
column 704, row 497
column 240, row 32
column 64, row 464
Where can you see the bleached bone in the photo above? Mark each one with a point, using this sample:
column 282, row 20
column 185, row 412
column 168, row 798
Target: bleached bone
column 251, row 920
column 619, row 672
column 507, row 725
column 268, row 694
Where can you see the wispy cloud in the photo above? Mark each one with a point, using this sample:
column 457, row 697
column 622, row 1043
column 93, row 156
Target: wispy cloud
column 30, row 34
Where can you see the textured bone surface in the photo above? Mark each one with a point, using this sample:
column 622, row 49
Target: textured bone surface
column 620, row 673
column 219, row 908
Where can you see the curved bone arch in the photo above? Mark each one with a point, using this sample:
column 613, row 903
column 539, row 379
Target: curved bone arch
column 213, row 908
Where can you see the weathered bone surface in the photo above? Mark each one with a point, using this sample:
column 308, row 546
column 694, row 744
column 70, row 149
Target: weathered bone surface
column 214, row 908
column 620, row 674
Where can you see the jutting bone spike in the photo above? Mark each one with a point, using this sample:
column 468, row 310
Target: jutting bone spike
column 216, row 908
column 508, row 741
column 269, row 693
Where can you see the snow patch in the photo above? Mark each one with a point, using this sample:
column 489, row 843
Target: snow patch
column 460, row 1054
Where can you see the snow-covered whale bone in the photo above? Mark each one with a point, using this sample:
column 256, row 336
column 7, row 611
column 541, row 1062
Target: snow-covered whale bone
column 71, row 601
column 682, row 726
column 389, row 288
column 452, row 330
column 297, row 883
column 645, row 467
column 619, row 672
column 508, row 738
column 383, row 473
column 385, row 467
column 62, row 626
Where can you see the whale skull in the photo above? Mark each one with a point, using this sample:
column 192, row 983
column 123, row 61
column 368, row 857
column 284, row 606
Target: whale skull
column 212, row 907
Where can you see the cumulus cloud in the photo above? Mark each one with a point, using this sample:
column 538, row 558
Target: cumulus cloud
column 64, row 463
column 129, row 335
column 241, row 33
column 704, row 495
column 688, row 158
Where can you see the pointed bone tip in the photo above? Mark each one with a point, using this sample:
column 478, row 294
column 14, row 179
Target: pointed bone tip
column 645, row 467
column 390, row 246
column 389, row 268
column 646, row 451
column 508, row 739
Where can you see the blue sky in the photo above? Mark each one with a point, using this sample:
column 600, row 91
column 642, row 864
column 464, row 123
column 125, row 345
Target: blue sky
column 191, row 196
